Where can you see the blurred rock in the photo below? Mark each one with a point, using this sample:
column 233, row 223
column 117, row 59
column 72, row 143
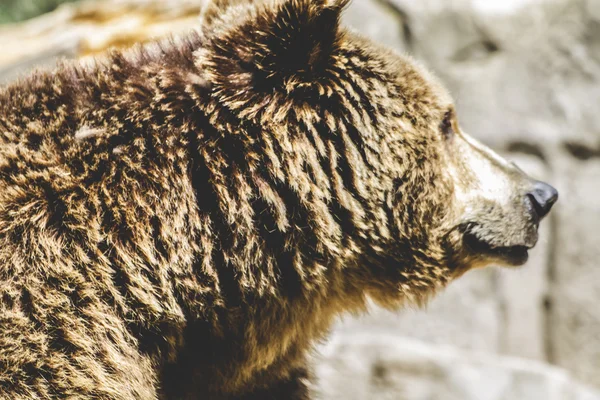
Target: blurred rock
column 467, row 314
column 20, row 10
column 375, row 18
column 575, row 323
column 358, row 366
column 91, row 27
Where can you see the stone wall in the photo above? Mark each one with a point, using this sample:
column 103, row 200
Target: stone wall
column 526, row 76
column 363, row 365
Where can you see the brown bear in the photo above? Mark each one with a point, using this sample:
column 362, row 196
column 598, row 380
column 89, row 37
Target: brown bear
column 185, row 220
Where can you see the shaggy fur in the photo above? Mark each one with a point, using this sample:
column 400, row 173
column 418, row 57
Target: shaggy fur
column 184, row 221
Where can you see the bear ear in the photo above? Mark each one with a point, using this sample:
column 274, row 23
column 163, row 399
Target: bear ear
column 275, row 47
column 302, row 35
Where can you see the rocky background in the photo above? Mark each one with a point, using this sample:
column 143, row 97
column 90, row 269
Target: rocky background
column 526, row 78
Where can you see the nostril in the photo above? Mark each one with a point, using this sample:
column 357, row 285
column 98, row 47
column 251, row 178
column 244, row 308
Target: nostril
column 543, row 197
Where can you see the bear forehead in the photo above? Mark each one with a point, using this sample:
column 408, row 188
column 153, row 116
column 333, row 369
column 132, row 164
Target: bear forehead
column 405, row 77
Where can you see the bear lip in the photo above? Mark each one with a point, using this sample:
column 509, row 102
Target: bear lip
column 514, row 255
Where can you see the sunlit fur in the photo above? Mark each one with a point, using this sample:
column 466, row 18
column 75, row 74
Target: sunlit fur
column 185, row 220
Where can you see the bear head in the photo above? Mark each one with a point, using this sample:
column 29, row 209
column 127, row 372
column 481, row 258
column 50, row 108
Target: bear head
column 401, row 194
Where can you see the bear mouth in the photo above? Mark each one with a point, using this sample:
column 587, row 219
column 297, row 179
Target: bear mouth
column 514, row 255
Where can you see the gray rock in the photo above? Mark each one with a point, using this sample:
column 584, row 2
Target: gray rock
column 378, row 366
column 467, row 314
column 575, row 315
column 373, row 18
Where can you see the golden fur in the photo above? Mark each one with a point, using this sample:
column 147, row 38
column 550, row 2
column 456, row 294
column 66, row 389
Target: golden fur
column 184, row 221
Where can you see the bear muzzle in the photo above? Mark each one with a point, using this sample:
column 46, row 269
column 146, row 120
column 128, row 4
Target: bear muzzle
column 538, row 199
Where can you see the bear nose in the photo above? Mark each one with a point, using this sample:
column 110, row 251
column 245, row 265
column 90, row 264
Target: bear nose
column 543, row 197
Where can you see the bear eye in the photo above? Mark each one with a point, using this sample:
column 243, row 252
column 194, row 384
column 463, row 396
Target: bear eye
column 447, row 125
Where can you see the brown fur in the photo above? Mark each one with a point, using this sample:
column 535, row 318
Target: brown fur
column 184, row 222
